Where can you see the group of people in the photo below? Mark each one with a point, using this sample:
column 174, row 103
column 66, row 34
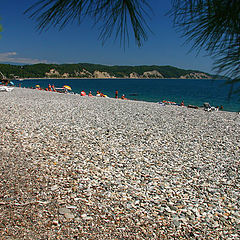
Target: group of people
column 52, row 88
column 122, row 97
column 100, row 94
column 6, row 82
column 164, row 102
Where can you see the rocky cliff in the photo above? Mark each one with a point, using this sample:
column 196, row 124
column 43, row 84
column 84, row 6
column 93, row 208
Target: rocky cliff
column 98, row 74
column 196, row 75
column 152, row 74
column 148, row 74
column 134, row 75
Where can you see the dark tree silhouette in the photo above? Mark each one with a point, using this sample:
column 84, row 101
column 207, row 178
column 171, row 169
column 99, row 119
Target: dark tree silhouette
column 213, row 25
column 111, row 16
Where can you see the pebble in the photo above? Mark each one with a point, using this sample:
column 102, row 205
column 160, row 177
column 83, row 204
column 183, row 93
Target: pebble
column 55, row 187
column 64, row 211
column 176, row 222
column 114, row 169
column 86, row 217
column 69, row 215
column 55, row 222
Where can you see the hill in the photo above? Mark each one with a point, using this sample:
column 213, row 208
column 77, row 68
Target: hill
column 87, row 70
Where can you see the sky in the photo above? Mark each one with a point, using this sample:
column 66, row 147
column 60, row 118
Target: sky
column 21, row 43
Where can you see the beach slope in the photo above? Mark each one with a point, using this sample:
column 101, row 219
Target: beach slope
column 76, row 167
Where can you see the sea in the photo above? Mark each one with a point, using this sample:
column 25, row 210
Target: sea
column 191, row 91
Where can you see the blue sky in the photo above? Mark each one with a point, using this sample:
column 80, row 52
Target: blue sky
column 21, row 43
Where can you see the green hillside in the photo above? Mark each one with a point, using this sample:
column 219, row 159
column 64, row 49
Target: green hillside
column 39, row 70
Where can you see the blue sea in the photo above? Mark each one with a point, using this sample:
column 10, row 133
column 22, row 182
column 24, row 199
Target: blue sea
column 192, row 91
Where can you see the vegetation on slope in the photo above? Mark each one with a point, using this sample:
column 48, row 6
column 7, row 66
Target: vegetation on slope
column 40, row 70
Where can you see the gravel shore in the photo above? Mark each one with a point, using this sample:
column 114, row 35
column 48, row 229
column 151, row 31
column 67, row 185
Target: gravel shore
column 75, row 167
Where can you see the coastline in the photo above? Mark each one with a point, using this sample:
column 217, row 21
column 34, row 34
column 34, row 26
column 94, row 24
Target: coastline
column 106, row 168
column 115, row 78
column 130, row 96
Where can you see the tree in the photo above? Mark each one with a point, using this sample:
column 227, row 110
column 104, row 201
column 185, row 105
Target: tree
column 212, row 25
column 115, row 16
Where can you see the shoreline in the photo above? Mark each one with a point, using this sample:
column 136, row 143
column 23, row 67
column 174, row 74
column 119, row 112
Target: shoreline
column 22, row 79
column 101, row 168
column 176, row 105
column 190, row 98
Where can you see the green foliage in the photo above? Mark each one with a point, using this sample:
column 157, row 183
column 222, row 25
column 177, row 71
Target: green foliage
column 115, row 17
column 39, row 70
column 213, row 25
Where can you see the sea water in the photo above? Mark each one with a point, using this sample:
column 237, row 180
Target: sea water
column 191, row 91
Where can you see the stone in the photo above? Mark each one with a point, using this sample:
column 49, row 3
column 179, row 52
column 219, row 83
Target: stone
column 55, row 187
column 176, row 222
column 69, row 215
column 64, row 211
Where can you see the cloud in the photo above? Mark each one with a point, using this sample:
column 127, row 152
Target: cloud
column 11, row 57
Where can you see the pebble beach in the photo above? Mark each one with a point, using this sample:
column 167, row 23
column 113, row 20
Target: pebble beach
column 75, row 167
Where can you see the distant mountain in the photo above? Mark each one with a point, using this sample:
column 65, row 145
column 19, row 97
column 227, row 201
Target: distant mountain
column 87, row 70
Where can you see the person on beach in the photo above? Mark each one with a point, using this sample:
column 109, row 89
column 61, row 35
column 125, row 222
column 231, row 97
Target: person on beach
column 83, row 93
column 116, row 94
column 49, row 87
column 123, row 97
column 5, row 82
column 53, row 88
column 90, row 94
column 182, row 103
column 98, row 94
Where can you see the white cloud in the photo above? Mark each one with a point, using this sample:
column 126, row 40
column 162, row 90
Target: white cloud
column 11, row 57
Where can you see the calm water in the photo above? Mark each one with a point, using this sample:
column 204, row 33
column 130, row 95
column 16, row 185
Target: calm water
column 192, row 91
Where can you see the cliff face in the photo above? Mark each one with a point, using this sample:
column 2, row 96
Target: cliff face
column 134, row 75
column 98, row 74
column 53, row 72
column 149, row 74
column 152, row 74
column 195, row 75
column 86, row 73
